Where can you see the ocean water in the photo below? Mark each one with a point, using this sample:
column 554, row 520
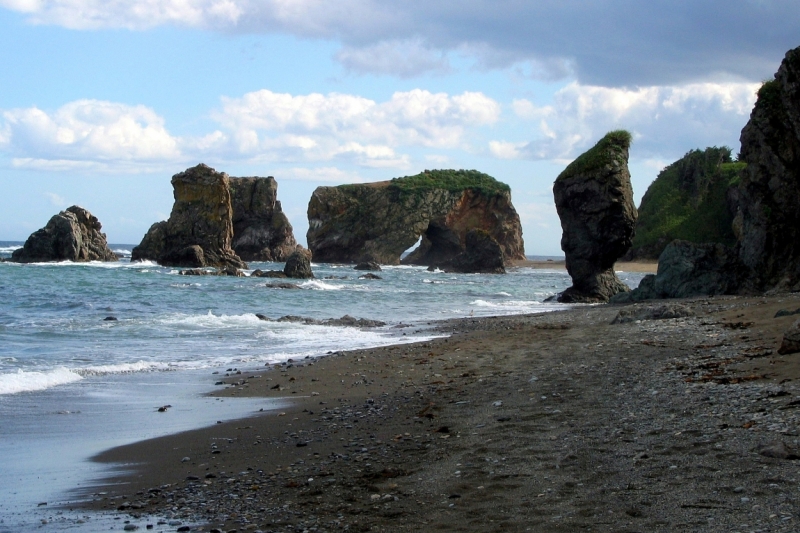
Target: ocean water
column 73, row 383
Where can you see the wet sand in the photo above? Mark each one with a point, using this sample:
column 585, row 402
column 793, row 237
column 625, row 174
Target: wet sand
column 649, row 267
column 554, row 422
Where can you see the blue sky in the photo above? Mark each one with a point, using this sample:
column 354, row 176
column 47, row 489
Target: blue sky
column 101, row 101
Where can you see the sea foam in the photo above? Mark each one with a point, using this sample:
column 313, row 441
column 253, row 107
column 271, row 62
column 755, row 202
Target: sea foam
column 21, row 381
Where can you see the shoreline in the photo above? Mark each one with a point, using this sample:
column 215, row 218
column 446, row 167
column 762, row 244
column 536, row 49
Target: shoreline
column 649, row 267
column 517, row 423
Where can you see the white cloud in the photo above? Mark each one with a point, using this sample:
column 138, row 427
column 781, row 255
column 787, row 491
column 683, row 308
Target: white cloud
column 603, row 42
column 326, row 174
column 665, row 121
column 261, row 126
column 321, row 127
column 87, row 132
column 55, row 199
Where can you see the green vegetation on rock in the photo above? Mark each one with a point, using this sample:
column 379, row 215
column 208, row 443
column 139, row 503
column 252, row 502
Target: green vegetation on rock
column 606, row 151
column 688, row 201
column 449, row 180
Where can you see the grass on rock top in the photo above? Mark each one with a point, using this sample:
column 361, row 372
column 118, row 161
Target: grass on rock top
column 613, row 145
column 450, row 180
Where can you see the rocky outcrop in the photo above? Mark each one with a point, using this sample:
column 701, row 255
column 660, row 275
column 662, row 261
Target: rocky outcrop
column 298, row 266
column 693, row 199
column 768, row 223
column 379, row 221
column 791, row 340
column 71, row 235
column 688, row 269
column 594, row 200
column 368, row 265
column 261, row 231
column 482, row 254
column 200, row 228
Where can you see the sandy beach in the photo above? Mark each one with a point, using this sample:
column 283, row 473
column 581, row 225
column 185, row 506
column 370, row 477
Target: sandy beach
column 554, row 422
column 649, row 267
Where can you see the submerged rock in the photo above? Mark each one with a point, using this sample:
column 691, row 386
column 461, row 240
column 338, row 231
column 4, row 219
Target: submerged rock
column 594, row 200
column 368, row 265
column 346, row 320
column 71, row 235
column 379, row 221
column 199, row 230
column 261, row 231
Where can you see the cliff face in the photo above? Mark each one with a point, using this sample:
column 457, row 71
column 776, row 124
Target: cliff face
column 692, row 199
column 768, row 224
column 71, row 235
column 261, row 231
column 200, row 228
column 379, row 221
column 594, row 200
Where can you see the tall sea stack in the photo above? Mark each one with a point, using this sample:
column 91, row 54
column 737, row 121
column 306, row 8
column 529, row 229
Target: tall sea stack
column 200, row 228
column 594, row 200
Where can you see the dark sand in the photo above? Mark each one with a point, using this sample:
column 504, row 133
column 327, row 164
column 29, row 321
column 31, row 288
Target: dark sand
column 559, row 422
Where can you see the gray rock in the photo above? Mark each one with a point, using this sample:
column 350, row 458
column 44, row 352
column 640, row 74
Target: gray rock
column 368, row 265
column 298, row 266
column 594, row 200
column 482, row 254
column 777, row 450
column 71, row 235
column 687, row 269
column 791, row 340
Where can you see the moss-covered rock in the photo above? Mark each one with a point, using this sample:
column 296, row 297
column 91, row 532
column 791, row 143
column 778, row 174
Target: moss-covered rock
column 693, row 199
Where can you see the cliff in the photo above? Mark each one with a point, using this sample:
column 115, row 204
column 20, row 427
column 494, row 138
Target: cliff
column 199, row 230
column 768, row 224
column 693, row 199
column 594, row 200
column 379, row 221
column 71, row 235
column 261, row 231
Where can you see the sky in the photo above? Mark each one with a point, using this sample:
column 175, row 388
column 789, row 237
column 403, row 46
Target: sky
column 102, row 101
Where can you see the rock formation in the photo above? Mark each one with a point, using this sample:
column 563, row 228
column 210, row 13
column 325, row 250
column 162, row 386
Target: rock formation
column 379, row 221
column 71, row 235
column 261, row 231
column 693, row 199
column 768, row 224
column 482, row 254
column 200, row 228
column 594, row 200
column 791, row 340
column 298, row 265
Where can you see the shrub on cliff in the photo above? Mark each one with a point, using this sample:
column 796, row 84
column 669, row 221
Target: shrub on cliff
column 689, row 200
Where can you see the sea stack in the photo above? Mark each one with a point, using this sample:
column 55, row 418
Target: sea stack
column 768, row 223
column 71, row 235
column 200, row 228
column 379, row 221
column 594, row 200
column 261, row 231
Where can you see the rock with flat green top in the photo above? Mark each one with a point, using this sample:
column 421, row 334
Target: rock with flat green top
column 379, row 221
column 594, row 200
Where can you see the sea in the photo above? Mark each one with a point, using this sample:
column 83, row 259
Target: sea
column 90, row 351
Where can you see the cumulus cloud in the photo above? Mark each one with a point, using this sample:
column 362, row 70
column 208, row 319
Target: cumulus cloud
column 261, row 126
column 322, row 127
column 603, row 42
column 86, row 133
column 665, row 121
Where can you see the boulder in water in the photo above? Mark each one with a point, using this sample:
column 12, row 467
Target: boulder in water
column 71, row 235
column 298, row 265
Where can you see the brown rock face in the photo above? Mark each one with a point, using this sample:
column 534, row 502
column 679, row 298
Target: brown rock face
column 379, row 221
column 482, row 255
column 768, row 224
column 71, row 235
column 594, row 200
column 261, row 231
column 200, row 228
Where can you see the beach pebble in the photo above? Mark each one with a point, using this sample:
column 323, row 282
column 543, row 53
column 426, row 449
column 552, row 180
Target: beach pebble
column 186, row 459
